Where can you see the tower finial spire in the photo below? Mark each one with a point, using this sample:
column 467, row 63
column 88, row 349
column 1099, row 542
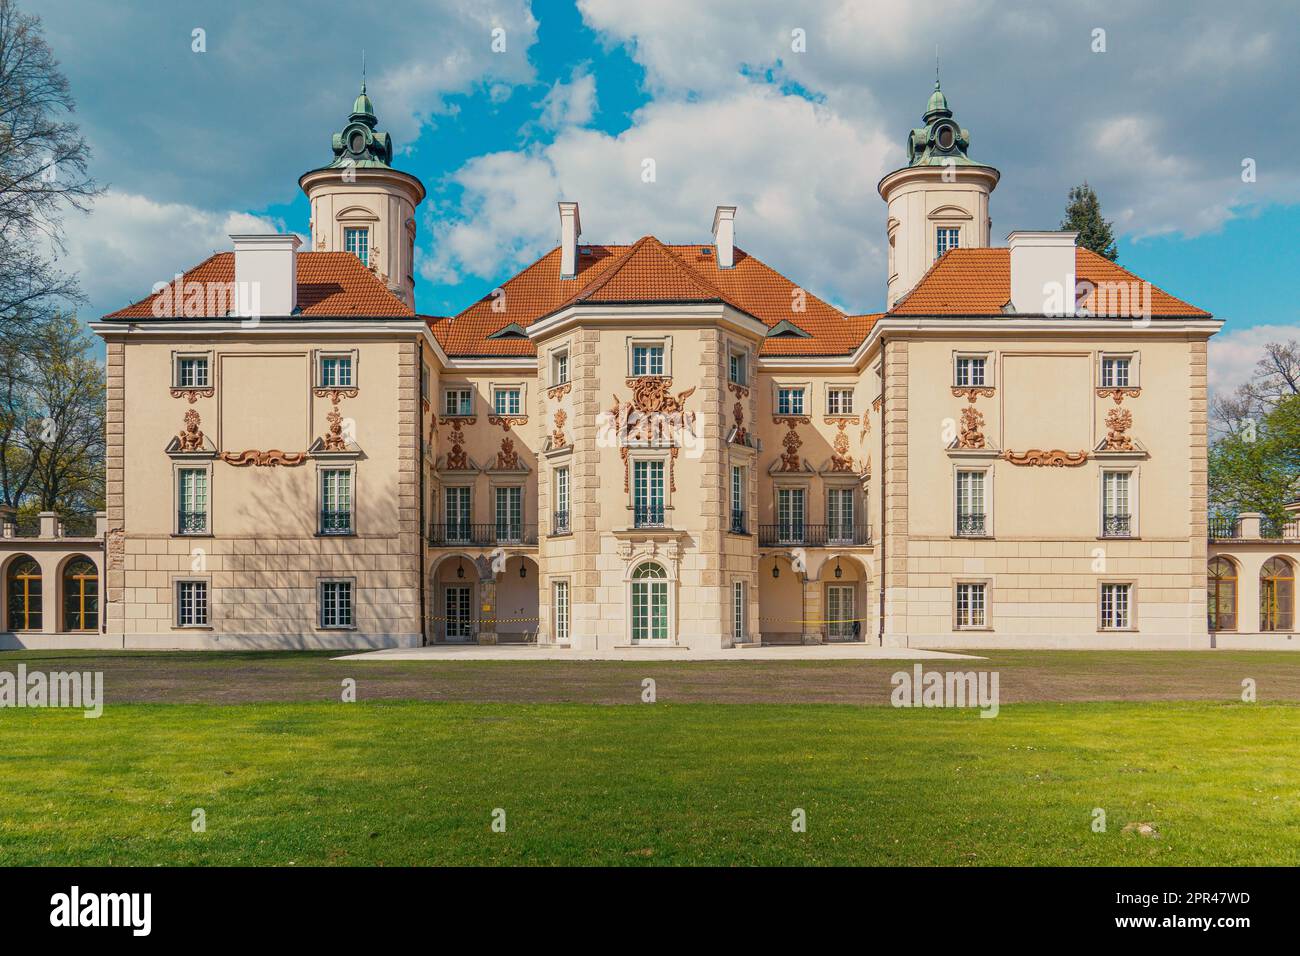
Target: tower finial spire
column 936, row 66
column 363, row 68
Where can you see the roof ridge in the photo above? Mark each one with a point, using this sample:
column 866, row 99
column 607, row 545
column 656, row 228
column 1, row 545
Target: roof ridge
column 649, row 242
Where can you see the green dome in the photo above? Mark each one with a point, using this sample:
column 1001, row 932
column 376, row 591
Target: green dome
column 362, row 108
column 938, row 105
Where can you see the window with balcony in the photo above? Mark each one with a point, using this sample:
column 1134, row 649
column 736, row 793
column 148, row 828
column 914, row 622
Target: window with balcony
column 790, row 515
column 1116, row 511
column 336, row 604
column 357, row 242
column 510, row 514
column 789, row 401
column 839, row 401
column 458, row 402
column 648, row 493
column 507, row 401
column 335, row 371
column 971, row 605
column 1116, row 607
column 839, row 515
column 192, row 501
column 647, row 360
column 738, row 497
column 970, row 371
column 560, row 515
column 336, row 501
column 191, row 603
column 457, row 510
column 970, row 504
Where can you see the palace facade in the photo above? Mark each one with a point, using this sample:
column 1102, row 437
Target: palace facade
column 660, row 445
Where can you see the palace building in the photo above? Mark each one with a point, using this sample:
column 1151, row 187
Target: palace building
column 659, row 445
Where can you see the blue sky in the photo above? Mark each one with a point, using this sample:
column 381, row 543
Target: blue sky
column 194, row 146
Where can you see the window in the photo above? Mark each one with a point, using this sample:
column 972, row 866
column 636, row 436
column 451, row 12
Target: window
column 458, row 401
column 841, row 613
column 456, row 503
column 559, row 367
column 970, row 504
column 80, row 595
column 945, row 238
column 738, row 499
column 649, row 603
column 839, row 515
column 336, row 371
column 560, row 608
column 1115, row 371
column 790, row 515
column 648, row 493
column 560, row 521
column 192, row 371
column 336, row 501
column 736, row 368
column 1116, row 516
column 839, row 401
column 739, row 611
column 1276, row 595
column 192, row 501
column 1116, row 609
column 25, row 595
column 789, row 401
column 424, row 380
column 647, row 360
column 510, row 513
column 970, row 371
column 971, row 605
column 1222, row 605
column 336, row 604
column 357, row 242
column 191, row 603
column 506, row 401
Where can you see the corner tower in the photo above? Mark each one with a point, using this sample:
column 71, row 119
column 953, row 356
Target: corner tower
column 939, row 200
column 361, row 204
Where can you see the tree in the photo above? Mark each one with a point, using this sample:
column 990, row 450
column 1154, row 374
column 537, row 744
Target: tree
column 1258, row 468
column 51, row 418
column 1083, row 214
column 43, row 171
column 1277, row 376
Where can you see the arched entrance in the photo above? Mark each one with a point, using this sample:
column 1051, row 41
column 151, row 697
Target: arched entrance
column 1277, row 595
column 454, row 589
column 23, row 585
column 80, row 594
column 780, row 600
column 517, row 601
column 844, row 598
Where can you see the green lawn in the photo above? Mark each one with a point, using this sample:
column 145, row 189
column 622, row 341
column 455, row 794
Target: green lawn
column 416, row 782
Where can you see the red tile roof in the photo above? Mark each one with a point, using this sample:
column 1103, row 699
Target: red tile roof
column 330, row 284
column 978, row 282
column 649, row 271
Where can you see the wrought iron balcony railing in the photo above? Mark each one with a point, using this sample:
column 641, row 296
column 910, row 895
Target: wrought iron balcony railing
column 1117, row 526
column 971, row 526
column 560, row 522
column 806, row 535
column 482, row 534
column 336, row 522
column 191, row 522
column 738, row 525
column 649, row 516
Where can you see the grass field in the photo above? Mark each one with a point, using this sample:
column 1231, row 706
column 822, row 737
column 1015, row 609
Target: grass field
column 383, row 782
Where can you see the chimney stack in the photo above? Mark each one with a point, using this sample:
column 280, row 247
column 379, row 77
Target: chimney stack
column 1042, row 272
column 266, row 275
column 724, row 236
column 570, row 230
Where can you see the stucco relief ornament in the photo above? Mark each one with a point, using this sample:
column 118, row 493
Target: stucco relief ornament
column 1056, row 458
column 971, row 391
column 190, row 438
column 971, row 434
column 557, row 436
column 264, row 459
column 507, row 457
column 333, row 440
column 505, row 421
column 791, row 440
column 741, row 436
column 841, row 460
column 1118, row 394
column 557, row 392
column 1118, row 422
column 654, row 416
column 457, row 460
column 335, row 394
column 192, row 395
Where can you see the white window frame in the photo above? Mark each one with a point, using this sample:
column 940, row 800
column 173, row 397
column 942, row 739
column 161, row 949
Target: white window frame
column 1133, row 498
column 834, row 391
column 177, row 500
column 426, row 376
column 178, row 603
column 497, row 496
column 447, row 523
column 1134, row 367
column 737, row 356
column 739, row 612
column 351, row 623
column 561, row 609
column 987, row 472
column 560, row 356
column 459, row 389
column 562, row 498
column 670, row 582
column 939, row 229
column 1131, row 609
column 179, row 357
column 663, row 343
column 984, row 592
column 985, row 357
column 507, row 391
column 364, row 233
column 777, row 490
column 351, row 472
column 792, row 391
column 325, row 355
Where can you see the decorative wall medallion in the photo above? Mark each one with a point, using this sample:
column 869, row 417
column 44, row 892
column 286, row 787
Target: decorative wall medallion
column 1118, row 422
column 559, row 391
column 264, row 459
column 505, row 421
column 507, row 457
column 334, row 394
column 791, row 440
column 841, row 460
column 654, row 416
column 557, row 436
column 971, row 434
column 457, row 460
column 192, row 395
column 1056, row 458
column 1118, row 394
column 971, row 391
column 191, row 438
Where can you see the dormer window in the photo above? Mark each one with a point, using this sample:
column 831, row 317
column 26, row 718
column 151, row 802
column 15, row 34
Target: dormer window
column 357, row 242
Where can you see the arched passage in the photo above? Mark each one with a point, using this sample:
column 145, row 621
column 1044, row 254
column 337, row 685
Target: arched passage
column 454, row 593
column 517, row 601
column 1221, row 606
column 1277, row 595
column 845, row 597
column 24, row 588
column 80, row 588
column 780, row 600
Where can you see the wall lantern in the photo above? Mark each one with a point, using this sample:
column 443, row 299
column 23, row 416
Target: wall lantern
column 776, row 569
column 523, row 570
column 460, row 568
column 839, row 572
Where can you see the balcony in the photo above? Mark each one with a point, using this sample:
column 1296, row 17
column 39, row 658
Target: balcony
column 336, row 522
column 971, row 526
column 191, row 522
column 559, row 523
column 485, row 534
column 801, row 534
column 738, row 524
column 1117, row 526
column 1252, row 526
column 649, row 516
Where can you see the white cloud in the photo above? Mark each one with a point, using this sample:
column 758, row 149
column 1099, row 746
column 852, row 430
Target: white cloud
column 572, row 103
column 1233, row 355
column 129, row 242
column 752, row 147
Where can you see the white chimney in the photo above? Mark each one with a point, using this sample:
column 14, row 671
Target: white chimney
column 1042, row 272
column 266, row 275
column 570, row 230
column 724, row 235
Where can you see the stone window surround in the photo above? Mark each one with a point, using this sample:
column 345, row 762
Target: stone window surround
column 780, row 484
column 321, row 468
column 637, row 453
column 739, row 348
column 949, row 216
column 176, row 581
column 551, row 582
column 318, row 354
column 990, row 366
column 320, row 604
column 839, row 385
column 988, row 603
column 783, row 383
column 1134, row 499
column 458, row 387
column 1132, row 605
column 670, row 578
column 988, row 469
column 1134, row 367
column 564, row 349
column 445, row 487
column 179, row 354
column 520, row 385
column 663, row 341
column 506, row 481
column 190, row 465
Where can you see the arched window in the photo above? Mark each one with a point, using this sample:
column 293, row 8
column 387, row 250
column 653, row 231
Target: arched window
column 24, row 595
column 1276, row 595
column 649, row 603
column 1223, row 595
column 80, row 595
